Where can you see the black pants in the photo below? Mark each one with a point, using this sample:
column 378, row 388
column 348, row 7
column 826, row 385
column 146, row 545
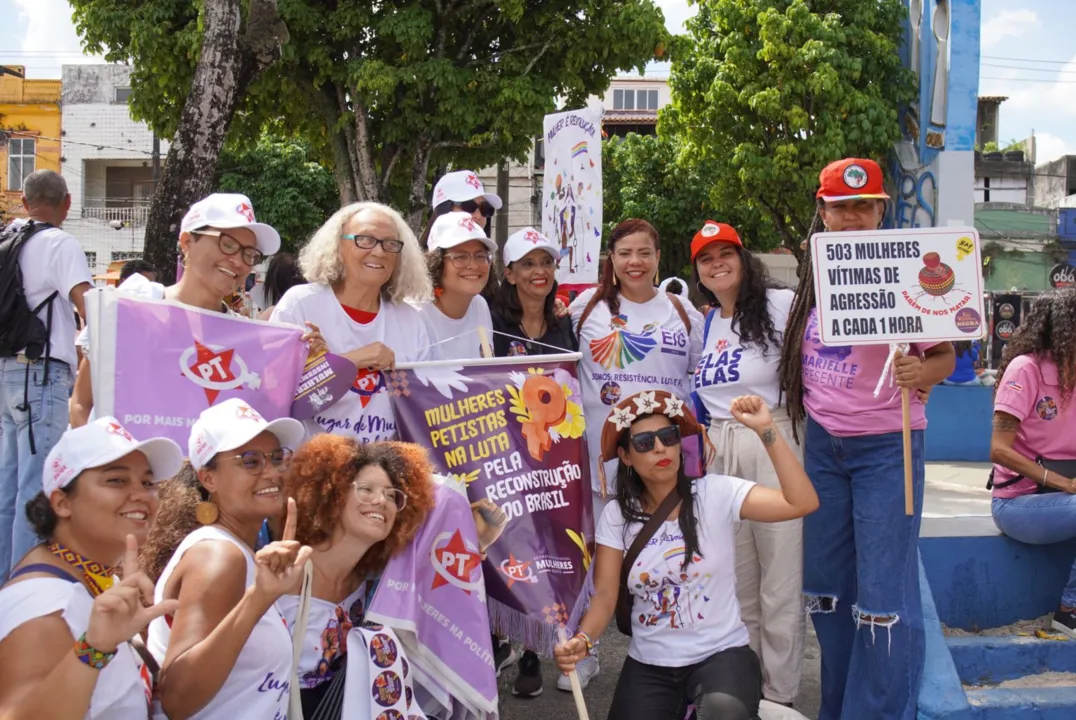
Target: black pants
column 724, row 686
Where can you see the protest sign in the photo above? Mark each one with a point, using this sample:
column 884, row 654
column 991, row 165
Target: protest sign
column 512, row 430
column 325, row 380
column 919, row 285
column 433, row 596
column 572, row 192
column 156, row 365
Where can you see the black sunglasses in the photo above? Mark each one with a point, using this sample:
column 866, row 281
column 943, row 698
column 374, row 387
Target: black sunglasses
column 470, row 206
column 644, row 441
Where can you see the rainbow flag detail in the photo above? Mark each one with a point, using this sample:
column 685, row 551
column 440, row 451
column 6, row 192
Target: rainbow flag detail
column 579, row 148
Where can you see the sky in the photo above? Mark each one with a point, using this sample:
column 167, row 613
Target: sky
column 1027, row 55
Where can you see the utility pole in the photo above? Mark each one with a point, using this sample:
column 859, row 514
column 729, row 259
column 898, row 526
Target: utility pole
column 502, row 192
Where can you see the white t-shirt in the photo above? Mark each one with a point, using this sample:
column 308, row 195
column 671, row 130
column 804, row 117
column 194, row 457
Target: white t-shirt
column 124, row 689
column 366, row 413
column 53, row 261
column 326, row 632
column 682, row 617
column 646, row 348
column 727, row 369
column 458, row 339
column 258, row 685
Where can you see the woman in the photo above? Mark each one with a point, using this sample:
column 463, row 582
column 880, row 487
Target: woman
column 460, row 261
column 219, row 243
column 461, row 191
column 967, row 354
column 525, row 320
column 99, row 499
column 740, row 356
column 282, row 275
column 632, row 338
column 363, row 266
column 357, row 506
column 688, row 643
column 860, row 561
column 1034, row 420
column 225, row 652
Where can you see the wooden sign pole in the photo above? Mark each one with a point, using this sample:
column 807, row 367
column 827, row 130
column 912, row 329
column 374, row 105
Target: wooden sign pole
column 909, row 488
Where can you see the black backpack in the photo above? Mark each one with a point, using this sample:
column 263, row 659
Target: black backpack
column 21, row 330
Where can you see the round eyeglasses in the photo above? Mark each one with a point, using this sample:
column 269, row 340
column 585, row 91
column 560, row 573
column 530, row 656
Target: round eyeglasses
column 367, row 495
column 253, row 461
column 230, row 246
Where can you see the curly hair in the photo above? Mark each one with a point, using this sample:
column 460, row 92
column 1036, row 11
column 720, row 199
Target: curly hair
column 751, row 317
column 178, row 500
column 607, row 290
column 435, row 265
column 322, row 474
column 320, row 260
column 1049, row 329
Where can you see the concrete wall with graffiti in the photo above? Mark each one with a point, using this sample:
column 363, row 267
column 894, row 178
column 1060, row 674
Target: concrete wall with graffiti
column 933, row 168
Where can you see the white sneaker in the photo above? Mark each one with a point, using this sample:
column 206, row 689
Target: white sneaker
column 587, row 670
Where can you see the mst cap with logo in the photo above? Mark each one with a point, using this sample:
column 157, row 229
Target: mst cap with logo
column 851, row 179
column 227, row 211
column 233, row 424
column 456, row 228
column 522, row 242
column 461, row 186
column 712, row 232
column 99, row 443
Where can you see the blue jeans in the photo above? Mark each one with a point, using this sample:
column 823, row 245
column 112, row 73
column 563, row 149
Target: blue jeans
column 1040, row 520
column 20, row 471
column 861, row 574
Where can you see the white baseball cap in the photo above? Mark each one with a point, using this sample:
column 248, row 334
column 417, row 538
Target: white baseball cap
column 100, row 442
column 522, row 242
column 233, row 424
column 456, row 228
column 227, row 211
column 461, row 186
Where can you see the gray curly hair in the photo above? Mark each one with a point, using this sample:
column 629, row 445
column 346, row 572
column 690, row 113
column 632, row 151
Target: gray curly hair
column 321, row 262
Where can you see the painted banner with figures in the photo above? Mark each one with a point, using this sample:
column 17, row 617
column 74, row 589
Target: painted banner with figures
column 572, row 192
column 156, row 364
column 512, row 430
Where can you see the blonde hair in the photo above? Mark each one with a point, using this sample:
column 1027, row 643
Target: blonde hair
column 321, row 262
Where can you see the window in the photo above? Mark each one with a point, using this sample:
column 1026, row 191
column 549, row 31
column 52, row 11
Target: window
column 539, row 154
column 635, row 99
column 652, row 99
column 618, row 99
column 91, row 260
column 123, row 94
column 126, row 255
column 20, row 163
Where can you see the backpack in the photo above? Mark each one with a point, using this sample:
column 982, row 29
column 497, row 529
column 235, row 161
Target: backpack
column 21, row 330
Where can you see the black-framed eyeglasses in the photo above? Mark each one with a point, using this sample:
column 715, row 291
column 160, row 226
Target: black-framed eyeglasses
column 253, row 461
column 369, row 242
column 462, row 259
column 470, row 206
column 230, row 246
column 644, row 441
column 367, row 495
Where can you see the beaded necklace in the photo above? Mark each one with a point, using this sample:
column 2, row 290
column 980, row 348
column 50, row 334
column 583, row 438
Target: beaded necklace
column 98, row 577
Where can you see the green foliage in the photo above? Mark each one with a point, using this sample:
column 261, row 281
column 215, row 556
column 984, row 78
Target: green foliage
column 289, row 191
column 767, row 92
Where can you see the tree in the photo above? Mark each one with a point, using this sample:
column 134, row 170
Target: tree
column 288, row 189
column 768, row 92
column 237, row 42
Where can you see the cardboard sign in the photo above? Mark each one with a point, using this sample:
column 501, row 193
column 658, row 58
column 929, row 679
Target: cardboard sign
column 896, row 286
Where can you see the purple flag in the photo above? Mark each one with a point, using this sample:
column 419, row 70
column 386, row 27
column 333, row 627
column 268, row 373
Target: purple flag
column 433, row 596
column 156, row 364
column 512, row 430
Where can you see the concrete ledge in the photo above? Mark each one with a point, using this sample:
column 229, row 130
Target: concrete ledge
column 984, row 660
column 958, row 424
column 1013, row 704
column 941, row 695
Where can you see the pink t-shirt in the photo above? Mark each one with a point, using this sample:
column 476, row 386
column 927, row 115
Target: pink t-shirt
column 839, row 382
column 1029, row 392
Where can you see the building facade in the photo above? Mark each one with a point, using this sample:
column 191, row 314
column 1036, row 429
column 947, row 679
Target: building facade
column 29, row 134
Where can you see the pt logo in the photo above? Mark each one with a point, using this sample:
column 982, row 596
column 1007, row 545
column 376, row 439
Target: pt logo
column 473, row 181
column 214, row 369
column 455, row 560
column 517, row 571
column 367, row 384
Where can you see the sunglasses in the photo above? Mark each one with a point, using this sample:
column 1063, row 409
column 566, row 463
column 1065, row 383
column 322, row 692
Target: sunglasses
column 369, row 242
column 367, row 495
column 253, row 461
column 230, row 246
column 644, row 441
column 470, row 206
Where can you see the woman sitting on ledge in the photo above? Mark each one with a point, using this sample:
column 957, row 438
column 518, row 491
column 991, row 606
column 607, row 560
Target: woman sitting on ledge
column 1032, row 444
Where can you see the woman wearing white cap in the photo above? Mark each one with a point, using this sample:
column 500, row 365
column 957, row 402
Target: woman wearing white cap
column 364, row 268
column 524, row 314
column 65, row 621
column 460, row 261
column 226, row 653
column 219, row 242
column 461, row 191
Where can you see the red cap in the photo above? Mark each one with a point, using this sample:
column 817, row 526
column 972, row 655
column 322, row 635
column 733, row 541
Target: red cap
column 713, row 232
column 851, row 179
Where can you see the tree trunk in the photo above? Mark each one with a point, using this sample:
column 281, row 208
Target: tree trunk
column 229, row 63
column 418, row 202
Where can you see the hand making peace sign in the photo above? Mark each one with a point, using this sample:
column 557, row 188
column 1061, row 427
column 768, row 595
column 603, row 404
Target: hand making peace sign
column 279, row 564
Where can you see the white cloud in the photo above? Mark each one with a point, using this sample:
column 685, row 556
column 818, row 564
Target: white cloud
column 49, row 39
column 1050, row 147
column 1008, row 23
column 676, row 12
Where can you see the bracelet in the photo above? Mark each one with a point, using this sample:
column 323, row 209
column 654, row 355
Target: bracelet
column 93, row 657
column 585, row 638
column 1044, row 472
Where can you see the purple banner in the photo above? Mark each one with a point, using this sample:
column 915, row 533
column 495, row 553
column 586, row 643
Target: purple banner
column 513, row 432
column 433, row 596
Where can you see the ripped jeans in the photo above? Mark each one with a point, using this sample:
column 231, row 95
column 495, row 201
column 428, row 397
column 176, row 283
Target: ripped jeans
column 861, row 574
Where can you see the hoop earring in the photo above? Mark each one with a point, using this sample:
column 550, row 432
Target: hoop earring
column 207, row 512
column 701, row 288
